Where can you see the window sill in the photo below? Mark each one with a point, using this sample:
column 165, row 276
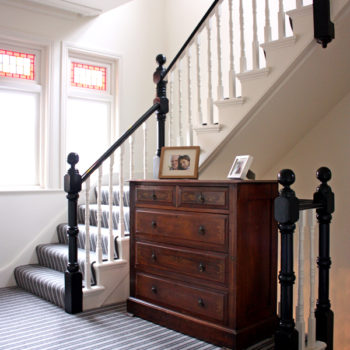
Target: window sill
column 29, row 189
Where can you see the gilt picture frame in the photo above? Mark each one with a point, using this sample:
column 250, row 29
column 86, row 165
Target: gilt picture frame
column 179, row 162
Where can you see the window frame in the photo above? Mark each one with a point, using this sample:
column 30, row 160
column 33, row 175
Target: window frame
column 71, row 52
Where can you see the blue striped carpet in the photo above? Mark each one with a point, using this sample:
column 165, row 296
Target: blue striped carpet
column 28, row 322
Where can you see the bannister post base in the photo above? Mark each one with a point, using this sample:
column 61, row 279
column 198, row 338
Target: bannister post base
column 73, row 292
column 286, row 339
column 325, row 326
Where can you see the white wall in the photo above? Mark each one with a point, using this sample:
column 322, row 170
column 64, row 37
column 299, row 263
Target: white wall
column 328, row 144
column 134, row 33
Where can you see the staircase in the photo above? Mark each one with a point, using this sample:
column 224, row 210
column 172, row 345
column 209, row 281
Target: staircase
column 102, row 242
column 46, row 279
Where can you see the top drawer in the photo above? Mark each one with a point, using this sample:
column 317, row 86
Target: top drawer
column 203, row 197
column 162, row 195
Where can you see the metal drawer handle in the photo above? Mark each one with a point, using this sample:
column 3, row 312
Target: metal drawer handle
column 154, row 289
column 154, row 196
column 154, row 224
column 201, row 267
column 200, row 302
column 201, row 230
column 154, row 257
column 201, row 198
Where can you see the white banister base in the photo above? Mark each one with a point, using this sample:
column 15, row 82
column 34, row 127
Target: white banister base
column 279, row 44
column 112, row 285
column 319, row 345
column 228, row 102
column 205, row 129
column 253, row 74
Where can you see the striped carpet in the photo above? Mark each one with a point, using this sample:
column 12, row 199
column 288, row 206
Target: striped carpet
column 28, row 322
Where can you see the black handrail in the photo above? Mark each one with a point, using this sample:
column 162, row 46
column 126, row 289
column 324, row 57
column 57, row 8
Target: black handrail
column 119, row 142
column 190, row 38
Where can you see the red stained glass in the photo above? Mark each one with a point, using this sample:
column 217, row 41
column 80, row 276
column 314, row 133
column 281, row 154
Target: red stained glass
column 88, row 76
column 16, row 64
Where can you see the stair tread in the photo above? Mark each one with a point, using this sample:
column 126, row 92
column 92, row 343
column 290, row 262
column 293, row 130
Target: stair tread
column 41, row 281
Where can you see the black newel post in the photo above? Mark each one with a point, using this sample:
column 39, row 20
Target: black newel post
column 73, row 277
column 324, row 314
column 286, row 214
column 164, row 106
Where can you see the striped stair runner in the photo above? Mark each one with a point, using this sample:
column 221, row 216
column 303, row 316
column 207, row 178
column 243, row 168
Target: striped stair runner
column 46, row 279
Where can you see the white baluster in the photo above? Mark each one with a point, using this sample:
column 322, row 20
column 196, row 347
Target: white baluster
column 179, row 72
column 144, row 150
column 171, row 107
column 121, row 225
column 131, row 151
column 267, row 28
column 87, row 235
column 232, row 74
column 210, row 106
column 243, row 60
column 255, row 43
column 99, row 217
column 189, row 88
column 110, row 218
column 299, row 4
column 300, row 323
column 218, row 14
column 281, row 21
column 199, row 82
column 311, row 337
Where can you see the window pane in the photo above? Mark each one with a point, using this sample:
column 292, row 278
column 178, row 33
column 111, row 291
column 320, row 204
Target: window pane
column 88, row 76
column 19, row 138
column 87, row 130
column 17, row 64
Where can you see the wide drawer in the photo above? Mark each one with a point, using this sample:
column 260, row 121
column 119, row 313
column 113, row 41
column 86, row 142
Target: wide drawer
column 203, row 197
column 183, row 298
column 164, row 195
column 204, row 266
column 189, row 229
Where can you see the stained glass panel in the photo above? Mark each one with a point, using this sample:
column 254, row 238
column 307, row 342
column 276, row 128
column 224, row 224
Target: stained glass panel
column 88, row 76
column 16, row 64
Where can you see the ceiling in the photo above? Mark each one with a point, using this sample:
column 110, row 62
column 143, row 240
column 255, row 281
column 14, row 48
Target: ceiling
column 78, row 7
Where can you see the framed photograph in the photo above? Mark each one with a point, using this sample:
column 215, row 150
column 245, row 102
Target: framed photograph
column 179, row 162
column 240, row 167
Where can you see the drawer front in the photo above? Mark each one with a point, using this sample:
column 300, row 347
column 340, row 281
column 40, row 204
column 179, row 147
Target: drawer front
column 207, row 266
column 183, row 298
column 203, row 197
column 164, row 195
column 189, row 229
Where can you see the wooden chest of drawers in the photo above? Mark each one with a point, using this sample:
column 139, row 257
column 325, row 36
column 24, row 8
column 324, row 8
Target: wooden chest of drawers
column 203, row 258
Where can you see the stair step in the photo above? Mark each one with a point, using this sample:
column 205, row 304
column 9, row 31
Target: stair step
column 41, row 281
column 63, row 237
column 105, row 216
column 116, row 196
column 55, row 256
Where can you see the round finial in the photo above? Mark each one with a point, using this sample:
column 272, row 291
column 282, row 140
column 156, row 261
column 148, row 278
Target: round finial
column 324, row 174
column 73, row 158
column 161, row 59
column 286, row 177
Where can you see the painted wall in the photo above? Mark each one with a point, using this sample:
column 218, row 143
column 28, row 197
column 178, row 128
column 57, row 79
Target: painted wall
column 328, row 144
column 132, row 32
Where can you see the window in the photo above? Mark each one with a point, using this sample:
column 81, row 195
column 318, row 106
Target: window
column 21, row 99
column 90, row 105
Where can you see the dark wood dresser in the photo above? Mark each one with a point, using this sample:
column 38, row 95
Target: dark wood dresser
column 203, row 258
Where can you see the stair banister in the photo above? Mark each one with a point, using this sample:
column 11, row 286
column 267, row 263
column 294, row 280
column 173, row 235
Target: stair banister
column 287, row 207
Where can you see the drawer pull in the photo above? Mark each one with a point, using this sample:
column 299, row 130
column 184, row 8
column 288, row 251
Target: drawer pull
column 201, row 198
column 201, row 267
column 200, row 302
column 154, row 257
column 154, row 224
column 154, row 196
column 154, row 289
column 201, row 230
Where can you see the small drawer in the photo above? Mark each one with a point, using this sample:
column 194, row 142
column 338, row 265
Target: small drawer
column 203, row 197
column 164, row 195
column 187, row 229
column 184, row 298
column 203, row 266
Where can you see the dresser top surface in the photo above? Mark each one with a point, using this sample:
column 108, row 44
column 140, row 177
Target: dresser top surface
column 201, row 182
